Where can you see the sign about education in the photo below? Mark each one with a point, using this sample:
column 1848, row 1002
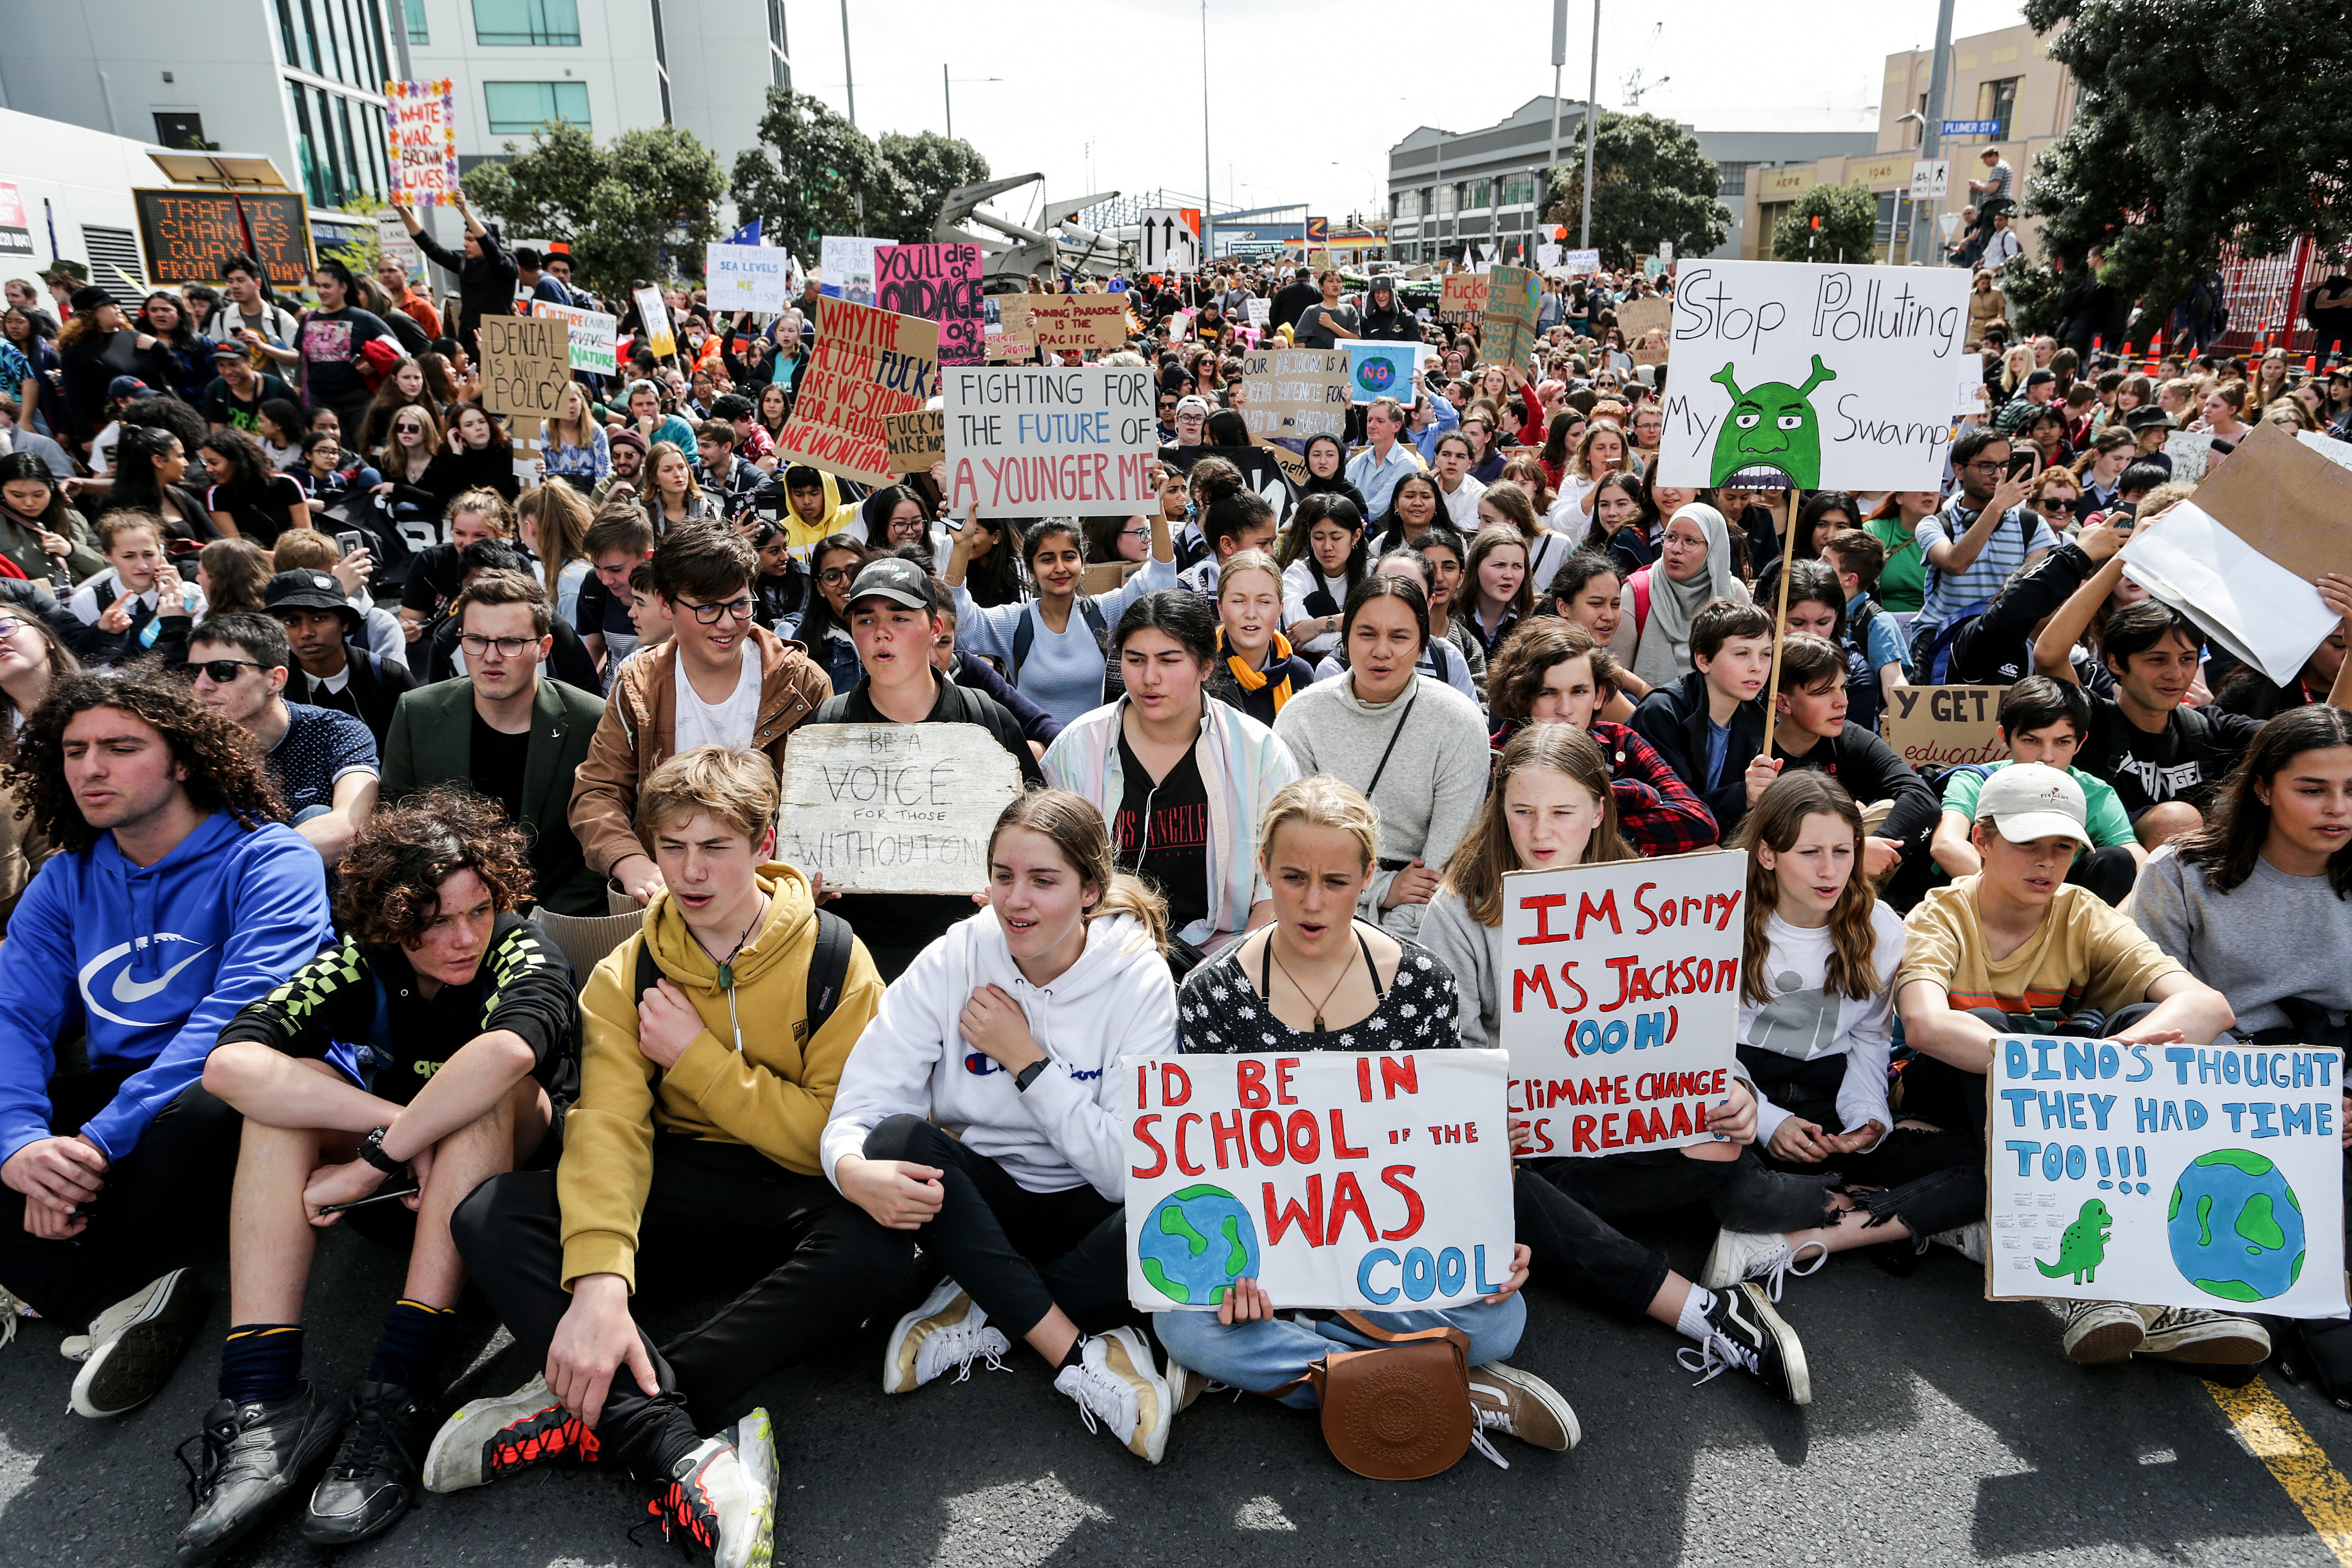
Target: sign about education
column 191, row 235
column 2167, row 1175
column 894, row 808
column 917, row 440
column 1333, row 1178
column 938, row 283
column 1078, row 323
column 594, row 338
column 1511, row 319
column 1463, row 297
column 1378, row 370
column 748, row 278
column 1620, row 990
column 1812, row 376
column 1025, row 441
column 1289, row 395
column 526, row 366
column 868, row 365
column 421, row 124
column 1943, row 726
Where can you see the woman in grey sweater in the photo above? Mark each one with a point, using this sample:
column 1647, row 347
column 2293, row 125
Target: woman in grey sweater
column 1416, row 747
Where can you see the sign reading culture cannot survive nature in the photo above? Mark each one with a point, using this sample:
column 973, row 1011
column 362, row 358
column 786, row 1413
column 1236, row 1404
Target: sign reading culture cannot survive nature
column 1333, row 1178
column 894, row 808
column 1788, row 373
column 1024, row 441
column 867, row 365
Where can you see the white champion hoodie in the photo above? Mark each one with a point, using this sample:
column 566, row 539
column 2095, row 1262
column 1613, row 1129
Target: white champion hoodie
column 1118, row 1000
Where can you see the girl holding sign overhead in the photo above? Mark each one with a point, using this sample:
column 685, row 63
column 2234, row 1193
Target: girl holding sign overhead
column 1552, row 806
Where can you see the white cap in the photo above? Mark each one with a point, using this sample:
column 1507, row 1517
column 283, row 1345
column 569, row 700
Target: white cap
column 2027, row 801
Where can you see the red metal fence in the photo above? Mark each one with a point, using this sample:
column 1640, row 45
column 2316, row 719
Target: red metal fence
column 2265, row 298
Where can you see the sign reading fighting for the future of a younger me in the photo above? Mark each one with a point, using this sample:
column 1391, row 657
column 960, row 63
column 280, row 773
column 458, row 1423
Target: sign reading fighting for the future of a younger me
column 1787, row 373
column 1943, row 726
column 1619, row 993
column 1290, row 394
column 1463, row 297
column 1078, row 323
column 868, row 365
column 2168, row 1175
column 938, row 282
column 894, row 808
column 594, row 338
column 1333, row 1178
column 748, row 278
column 1508, row 325
column 526, row 366
column 653, row 312
column 1024, row 441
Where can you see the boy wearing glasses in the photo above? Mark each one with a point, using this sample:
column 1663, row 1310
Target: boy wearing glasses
column 324, row 761
column 505, row 730
column 1981, row 535
column 721, row 679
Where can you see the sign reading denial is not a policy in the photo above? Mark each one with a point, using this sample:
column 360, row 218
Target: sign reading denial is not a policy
column 526, row 366
column 1024, row 441
column 894, row 808
column 1620, row 999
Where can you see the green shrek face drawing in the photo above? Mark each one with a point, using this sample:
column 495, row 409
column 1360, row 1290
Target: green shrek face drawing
column 1770, row 428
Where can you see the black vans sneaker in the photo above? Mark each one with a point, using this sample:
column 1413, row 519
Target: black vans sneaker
column 253, row 1456
column 1743, row 1330
column 373, row 1477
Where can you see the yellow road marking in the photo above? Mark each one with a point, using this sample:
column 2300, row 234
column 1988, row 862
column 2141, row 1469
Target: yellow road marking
column 2272, row 1434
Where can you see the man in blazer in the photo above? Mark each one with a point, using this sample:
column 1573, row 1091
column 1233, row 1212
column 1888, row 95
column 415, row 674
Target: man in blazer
column 505, row 732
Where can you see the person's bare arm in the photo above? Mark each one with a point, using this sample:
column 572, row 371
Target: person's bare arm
column 1932, row 1024
column 2053, row 650
column 2337, row 589
column 2186, row 1007
column 1950, row 847
column 331, row 832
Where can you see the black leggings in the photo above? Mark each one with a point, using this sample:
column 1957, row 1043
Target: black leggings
column 1930, row 1181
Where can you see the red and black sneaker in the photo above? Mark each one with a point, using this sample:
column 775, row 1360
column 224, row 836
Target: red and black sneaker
column 493, row 1438
column 722, row 1497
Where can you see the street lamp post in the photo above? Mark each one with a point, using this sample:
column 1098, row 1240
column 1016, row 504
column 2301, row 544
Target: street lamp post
column 1591, row 114
column 947, row 91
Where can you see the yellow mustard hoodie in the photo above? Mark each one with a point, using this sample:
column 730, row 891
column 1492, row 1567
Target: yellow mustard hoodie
column 775, row 1097
column 840, row 516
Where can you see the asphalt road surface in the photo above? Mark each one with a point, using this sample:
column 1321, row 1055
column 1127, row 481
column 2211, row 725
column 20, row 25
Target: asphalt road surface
column 1944, row 1429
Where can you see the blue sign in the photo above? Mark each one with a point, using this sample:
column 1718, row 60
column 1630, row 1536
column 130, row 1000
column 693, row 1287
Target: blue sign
column 1972, row 128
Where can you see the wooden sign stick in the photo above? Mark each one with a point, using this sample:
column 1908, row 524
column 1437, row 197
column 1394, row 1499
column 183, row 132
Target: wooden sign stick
column 1781, row 620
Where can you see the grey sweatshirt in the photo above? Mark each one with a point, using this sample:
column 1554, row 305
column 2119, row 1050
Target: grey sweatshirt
column 2270, row 938
column 1429, row 791
column 1450, row 931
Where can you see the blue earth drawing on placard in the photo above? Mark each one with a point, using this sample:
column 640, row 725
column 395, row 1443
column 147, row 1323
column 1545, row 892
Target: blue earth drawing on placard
column 2236, row 1227
column 1376, row 375
column 1195, row 1244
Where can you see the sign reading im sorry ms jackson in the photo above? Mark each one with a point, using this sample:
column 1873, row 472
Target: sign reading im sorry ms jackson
column 1816, row 377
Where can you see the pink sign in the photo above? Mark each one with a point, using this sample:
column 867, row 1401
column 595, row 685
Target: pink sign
column 15, row 232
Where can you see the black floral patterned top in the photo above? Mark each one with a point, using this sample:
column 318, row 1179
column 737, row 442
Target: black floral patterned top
column 1219, row 1010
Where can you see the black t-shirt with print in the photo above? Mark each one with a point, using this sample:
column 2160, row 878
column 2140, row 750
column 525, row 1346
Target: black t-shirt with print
column 2184, row 762
column 1162, row 834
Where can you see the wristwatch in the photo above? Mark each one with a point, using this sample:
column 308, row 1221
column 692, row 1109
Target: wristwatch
column 371, row 1151
column 1028, row 1075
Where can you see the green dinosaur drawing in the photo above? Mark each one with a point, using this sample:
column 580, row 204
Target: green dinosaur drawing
column 1772, row 426
column 2083, row 1246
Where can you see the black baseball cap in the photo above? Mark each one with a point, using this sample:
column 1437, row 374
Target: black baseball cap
column 304, row 589
column 900, row 582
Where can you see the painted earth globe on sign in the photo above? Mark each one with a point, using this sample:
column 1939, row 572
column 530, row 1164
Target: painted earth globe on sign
column 2236, row 1226
column 1376, row 375
column 1195, row 1244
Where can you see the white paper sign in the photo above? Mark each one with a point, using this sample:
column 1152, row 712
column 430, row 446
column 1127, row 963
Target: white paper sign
column 395, row 245
column 595, row 336
column 1333, row 1178
column 1028, row 441
column 1621, row 1011
column 1577, row 263
column 653, row 312
column 2167, row 1175
column 1835, row 376
column 2245, row 601
column 894, row 808
column 748, row 278
column 846, row 262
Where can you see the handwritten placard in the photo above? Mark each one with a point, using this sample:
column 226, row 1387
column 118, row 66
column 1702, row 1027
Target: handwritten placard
column 748, row 278
column 1509, row 322
column 653, row 312
column 894, row 808
column 1943, row 726
column 938, row 283
column 917, row 440
column 593, row 337
column 526, row 366
column 1025, row 441
column 1463, row 297
column 1289, row 395
column 1080, row 323
column 868, row 365
column 421, row 124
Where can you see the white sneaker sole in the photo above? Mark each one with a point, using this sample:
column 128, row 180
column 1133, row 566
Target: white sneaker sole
column 1793, row 1348
column 1150, row 1427
column 453, row 1462
column 145, row 1353
column 941, row 1295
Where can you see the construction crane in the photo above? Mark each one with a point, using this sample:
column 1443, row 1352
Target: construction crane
column 1015, row 250
column 1634, row 85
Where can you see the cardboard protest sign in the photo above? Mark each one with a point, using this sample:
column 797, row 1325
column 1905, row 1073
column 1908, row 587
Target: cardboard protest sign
column 1384, row 369
column 867, row 365
column 1024, row 441
column 593, row 337
column 421, row 124
column 1292, row 394
column 1823, row 375
column 1621, row 1012
column 526, row 366
column 894, row 808
column 2167, row 1175
column 1008, row 326
column 1107, row 576
column 1943, row 726
column 847, row 264
column 1333, row 1178
column 939, row 283
column 1271, row 471
column 1509, row 319
column 654, row 314
column 748, row 278
column 917, row 440
column 1463, row 297
column 1637, row 319
column 1078, row 323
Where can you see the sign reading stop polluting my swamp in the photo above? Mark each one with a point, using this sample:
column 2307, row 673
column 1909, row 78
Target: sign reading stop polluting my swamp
column 894, row 808
column 1836, row 376
column 1620, row 999
column 2170, row 1175
column 1333, row 1178
column 1033, row 442
column 526, row 366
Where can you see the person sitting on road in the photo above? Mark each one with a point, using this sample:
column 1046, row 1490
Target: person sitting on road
column 2043, row 721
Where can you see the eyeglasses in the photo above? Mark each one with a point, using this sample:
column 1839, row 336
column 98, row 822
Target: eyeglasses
column 1987, row 467
column 221, row 671
column 835, row 574
column 1135, row 534
column 708, row 615
column 509, row 648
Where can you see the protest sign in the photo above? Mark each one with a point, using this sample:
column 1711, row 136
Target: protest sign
column 594, row 338
column 1333, row 1178
column 395, row 244
column 654, row 314
column 1269, row 470
column 526, row 366
column 1509, row 320
column 1008, row 326
column 1292, row 394
column 1637, row 319
column 1805, row 376
column 1261, row 314
column 846, row 262
column 1384, row 369
column 2189, row 450
column 1025, row 441
column 1577, row 263
column 1943, row 726
column 1622, row 1037
column 867, row 365
column 1078, row 323
column 894, row 808
column 2167, row 1175
column 421, row 124
column 939, row 283
column 917, row 440
column 747, row 277
column 1463, row 297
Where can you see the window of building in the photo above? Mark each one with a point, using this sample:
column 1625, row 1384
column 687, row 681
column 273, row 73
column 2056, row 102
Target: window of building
column 549, row 23
column 1481, row 195
column 1997, row 101
column 414, row 11
column 1447, row 200
column 1519, row 190
column 520, row 107
column 182, row 131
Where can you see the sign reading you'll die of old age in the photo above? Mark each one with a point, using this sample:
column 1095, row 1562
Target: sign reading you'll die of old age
column 894, row 808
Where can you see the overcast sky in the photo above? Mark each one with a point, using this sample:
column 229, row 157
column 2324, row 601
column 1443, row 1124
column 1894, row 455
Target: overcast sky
column 1306, row 97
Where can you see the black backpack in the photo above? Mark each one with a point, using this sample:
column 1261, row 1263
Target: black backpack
column 828, row 969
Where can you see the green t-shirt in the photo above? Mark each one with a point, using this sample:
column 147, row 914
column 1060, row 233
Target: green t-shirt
column 2102, row 812
column 1903, row 581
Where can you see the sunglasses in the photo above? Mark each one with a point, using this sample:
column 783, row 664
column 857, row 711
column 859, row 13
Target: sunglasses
column 221, row 671
column 2051, row 503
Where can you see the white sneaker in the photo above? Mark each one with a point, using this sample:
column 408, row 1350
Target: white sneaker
column 755, row 1446
column 718, row 1500
column 502, row 1435
column 1184, row 1386
column 1969, row 1241
column 2099, row 1333
column 1114, row 1386
column 948, row 1330
column 136, row 1344
column 1740, row 1255
column 1520, row 1405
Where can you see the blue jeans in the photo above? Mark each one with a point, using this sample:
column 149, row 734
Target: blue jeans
column 1264, row 1355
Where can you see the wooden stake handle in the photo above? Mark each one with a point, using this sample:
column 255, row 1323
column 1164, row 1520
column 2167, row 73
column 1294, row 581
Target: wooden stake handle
column 1781, row 620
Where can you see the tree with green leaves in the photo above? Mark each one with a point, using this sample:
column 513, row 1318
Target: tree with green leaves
column 1849, row 226
column 928, row 166
column 1650, row 182
column 644, row 206
column 813, row 174
column 2200, row 123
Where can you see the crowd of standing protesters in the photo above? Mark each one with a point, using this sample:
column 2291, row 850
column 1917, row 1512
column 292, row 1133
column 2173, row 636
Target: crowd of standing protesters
column 309, row 749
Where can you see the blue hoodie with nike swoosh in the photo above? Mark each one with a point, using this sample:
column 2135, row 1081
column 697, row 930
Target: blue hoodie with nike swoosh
column 151, row 960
